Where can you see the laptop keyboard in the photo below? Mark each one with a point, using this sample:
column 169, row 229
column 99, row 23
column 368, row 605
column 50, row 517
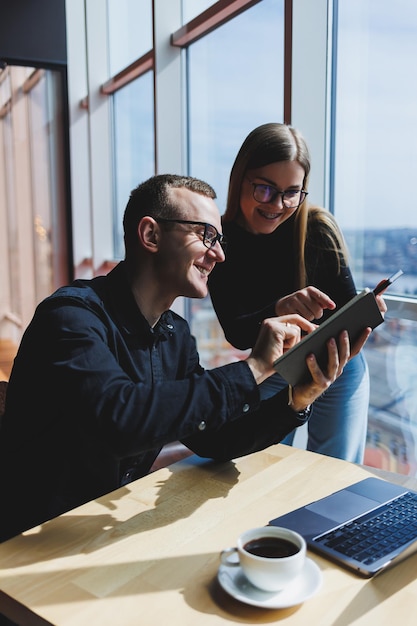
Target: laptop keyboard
column 376, row 534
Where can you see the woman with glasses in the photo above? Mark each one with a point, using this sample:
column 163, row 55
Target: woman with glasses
column 286, row 256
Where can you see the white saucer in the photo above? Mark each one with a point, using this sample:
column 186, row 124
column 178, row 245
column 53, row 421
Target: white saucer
column 232, row 579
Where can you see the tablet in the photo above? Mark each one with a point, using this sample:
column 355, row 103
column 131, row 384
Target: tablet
column 359, row 313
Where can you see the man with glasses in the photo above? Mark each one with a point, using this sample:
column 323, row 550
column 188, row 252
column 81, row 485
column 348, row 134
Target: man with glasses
column 107, row 374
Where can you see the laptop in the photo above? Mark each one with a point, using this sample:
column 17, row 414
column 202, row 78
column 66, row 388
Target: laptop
column 366, row 527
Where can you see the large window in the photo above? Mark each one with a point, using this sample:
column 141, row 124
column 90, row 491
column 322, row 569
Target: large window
column 176, row 85
column 375, row 139
column 371, row 156
column 133, row 148
column 235, row 82
column 130, row 37
column 32, row 193
column 130, row 32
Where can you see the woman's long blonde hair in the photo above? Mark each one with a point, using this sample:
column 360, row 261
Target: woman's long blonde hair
column 271, row 143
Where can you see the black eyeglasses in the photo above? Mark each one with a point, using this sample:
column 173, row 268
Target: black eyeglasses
column 210, row 235
column 291, row 199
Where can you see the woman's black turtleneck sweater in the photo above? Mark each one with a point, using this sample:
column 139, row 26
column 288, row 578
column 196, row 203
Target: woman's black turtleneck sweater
column 261, row 269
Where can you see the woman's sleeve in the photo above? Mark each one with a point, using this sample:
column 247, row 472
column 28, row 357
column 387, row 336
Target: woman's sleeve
column 240, row 329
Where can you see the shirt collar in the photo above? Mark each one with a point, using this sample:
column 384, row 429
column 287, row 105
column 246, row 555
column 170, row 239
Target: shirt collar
column 127, row 310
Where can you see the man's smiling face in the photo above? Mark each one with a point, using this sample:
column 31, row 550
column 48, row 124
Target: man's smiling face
column 184, row 260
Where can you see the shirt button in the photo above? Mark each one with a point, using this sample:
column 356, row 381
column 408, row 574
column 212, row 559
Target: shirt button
column 246, row 408
column 126, row 478
column 202, row 426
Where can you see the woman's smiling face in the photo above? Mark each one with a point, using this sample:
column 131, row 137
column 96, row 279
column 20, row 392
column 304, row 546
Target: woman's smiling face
column 264, row 217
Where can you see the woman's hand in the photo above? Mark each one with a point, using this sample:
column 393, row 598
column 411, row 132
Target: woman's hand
column 381, row 304
column 309, row 302
column 279, row 334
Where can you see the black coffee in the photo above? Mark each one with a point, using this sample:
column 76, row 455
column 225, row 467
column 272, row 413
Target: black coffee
column 271, row 547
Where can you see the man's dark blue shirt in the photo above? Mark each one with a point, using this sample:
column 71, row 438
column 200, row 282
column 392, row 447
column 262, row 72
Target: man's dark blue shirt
column 95, row 392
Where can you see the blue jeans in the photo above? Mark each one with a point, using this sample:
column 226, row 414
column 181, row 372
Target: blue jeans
column 338, row 423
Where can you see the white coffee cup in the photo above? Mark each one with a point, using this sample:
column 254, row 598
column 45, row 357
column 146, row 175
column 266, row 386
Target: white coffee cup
column 270, row 556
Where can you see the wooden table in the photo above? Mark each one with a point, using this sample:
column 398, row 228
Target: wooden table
column 147, row 554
